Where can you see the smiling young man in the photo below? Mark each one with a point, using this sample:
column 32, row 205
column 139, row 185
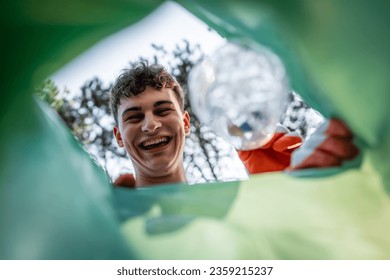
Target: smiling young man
column 151, row 124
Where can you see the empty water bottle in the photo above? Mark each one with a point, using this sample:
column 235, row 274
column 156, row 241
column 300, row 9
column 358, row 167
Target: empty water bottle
column 241, row 92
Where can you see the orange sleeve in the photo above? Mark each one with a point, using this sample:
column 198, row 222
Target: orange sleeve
column 126, row 180
column 274, row 156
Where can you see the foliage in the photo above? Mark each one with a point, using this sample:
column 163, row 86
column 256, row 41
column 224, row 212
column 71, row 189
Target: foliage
column 206, row 157
column 48, row 92
column 87, row 115
column 300, row 117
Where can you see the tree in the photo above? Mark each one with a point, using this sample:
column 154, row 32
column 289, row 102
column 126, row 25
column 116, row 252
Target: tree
column 300, row 117
column 207, row 157
column 87, row 116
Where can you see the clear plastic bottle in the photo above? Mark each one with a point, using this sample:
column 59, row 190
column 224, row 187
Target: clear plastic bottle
column 241, row 91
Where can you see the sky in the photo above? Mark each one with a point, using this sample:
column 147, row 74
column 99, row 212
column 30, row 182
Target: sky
column 168, row 25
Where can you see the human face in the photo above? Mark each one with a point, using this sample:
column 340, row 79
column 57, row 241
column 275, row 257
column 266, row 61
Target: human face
column 152, row 129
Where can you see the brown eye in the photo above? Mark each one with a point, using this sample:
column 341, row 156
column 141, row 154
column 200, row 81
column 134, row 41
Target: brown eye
column 134, row 118
column 163, row 111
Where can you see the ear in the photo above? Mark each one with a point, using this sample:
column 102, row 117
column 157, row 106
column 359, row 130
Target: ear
column 187, row 123
column 118, row 136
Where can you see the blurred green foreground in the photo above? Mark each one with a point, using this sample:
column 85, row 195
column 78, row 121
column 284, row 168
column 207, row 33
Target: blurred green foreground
column 56, row 204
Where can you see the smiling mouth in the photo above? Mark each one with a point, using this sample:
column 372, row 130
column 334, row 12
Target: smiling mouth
column 155, row 143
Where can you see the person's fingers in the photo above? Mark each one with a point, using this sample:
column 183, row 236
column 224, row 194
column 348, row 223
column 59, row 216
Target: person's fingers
column 271, row 142
column 287, row 142
column 338, row 128
column 315, row 160
column 280, row 131
column 339, row 147
column 244, row 155
column 328, row 146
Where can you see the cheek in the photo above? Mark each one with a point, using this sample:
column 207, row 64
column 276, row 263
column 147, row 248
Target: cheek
column 129, row 135
column 178, row 123
column 181, row 133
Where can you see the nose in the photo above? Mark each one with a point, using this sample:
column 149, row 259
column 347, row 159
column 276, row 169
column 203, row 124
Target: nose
column 151, row 123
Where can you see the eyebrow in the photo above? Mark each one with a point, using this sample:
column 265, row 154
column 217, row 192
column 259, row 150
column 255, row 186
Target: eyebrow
column 131, row 109
column 158, row 103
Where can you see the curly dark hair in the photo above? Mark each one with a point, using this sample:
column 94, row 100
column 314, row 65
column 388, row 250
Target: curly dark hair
column 134, row 81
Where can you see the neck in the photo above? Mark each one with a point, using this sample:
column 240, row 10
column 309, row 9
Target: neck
column 143, row 180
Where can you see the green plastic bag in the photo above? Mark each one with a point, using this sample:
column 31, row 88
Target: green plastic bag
column 56, row 204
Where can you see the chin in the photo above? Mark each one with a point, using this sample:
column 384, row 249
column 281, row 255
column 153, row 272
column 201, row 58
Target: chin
column 160, row 168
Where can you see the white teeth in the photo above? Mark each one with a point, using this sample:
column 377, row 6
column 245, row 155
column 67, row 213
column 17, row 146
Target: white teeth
column 155, row 141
